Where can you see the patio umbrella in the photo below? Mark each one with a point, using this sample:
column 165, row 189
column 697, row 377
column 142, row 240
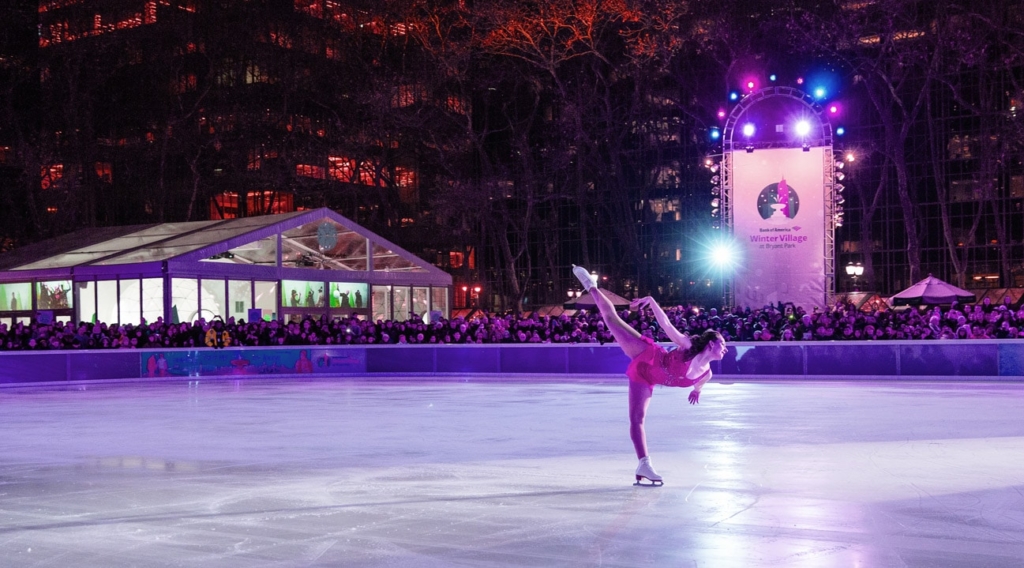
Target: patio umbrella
column 930, row 291
column 586, row 302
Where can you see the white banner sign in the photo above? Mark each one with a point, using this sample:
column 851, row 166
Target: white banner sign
column 778, row 206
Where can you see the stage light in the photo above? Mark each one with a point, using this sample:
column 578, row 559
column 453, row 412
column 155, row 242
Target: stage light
column 715, row 179
column 733, row 96
column 715, row 190
column 713, row 168
column 721, row 254
column 715, row 134
column 749, row 149
column 803, row 128
column 819, row 92
column 771, row 77
column 708, row 162
column 749, row 129
column 840, row 164
column 840, row 187
column 850, row 157
column 840, row 131
column 840, row 176
column 840, row 200
column 714, row 212
column 833, row 109
column 721, row 113
column 806, row 147
column 715, row 202
column 750, row 85
column 799, row 80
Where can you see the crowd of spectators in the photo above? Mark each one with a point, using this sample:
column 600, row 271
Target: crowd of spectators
column 771, row 323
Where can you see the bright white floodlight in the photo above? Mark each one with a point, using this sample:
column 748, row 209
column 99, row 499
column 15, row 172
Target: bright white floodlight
column 722, row 255
column 748, row 129
column 803, row 128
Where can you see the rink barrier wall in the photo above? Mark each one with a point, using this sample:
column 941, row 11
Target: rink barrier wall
column 980, row 360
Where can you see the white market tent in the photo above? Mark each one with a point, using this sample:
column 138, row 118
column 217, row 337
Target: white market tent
column 287, row 266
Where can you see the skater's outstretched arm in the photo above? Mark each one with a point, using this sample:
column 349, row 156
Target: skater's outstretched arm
column 674, row 335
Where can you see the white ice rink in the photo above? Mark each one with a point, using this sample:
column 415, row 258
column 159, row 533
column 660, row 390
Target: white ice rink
column 485, row 473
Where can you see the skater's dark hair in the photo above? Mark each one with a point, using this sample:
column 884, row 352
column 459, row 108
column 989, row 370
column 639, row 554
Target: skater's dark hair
column 700, row 342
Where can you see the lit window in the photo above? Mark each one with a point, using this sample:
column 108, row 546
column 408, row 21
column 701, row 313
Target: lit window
column 105, row 172
column 368, row 174
column 306, row 170
column 340, row 168
column 405, row 177
column 185, row 83
column 51, row 175
column 456, row 104
column 255, row 160
column 405, row 96
column 314, row 8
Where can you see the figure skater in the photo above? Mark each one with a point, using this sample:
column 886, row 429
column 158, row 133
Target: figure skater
column 687, row 366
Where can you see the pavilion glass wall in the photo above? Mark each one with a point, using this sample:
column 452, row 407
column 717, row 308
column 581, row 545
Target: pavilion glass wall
column 239, row 299
column 396, row 302
column 439, row 303
column 381, row 303
column 86, row 293
column 401, row 302
column 106, row 302
column 130, row 300
column 213, row 302
column 266, row 299
column 421, row 302
column 15, row 297
column 152, row 299
column 184, row 300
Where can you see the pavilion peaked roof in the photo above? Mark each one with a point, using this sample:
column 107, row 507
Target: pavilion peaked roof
column 317, row 239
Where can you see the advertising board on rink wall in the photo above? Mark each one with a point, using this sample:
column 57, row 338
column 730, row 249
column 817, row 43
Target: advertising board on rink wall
column 778, row 205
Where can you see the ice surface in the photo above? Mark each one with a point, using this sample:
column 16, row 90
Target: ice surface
column 527, row 473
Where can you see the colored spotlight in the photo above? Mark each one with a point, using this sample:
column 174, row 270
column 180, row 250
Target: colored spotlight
column 833, row 109
column 733, row 96
column 803, row 128
column 840, row 131
column 800, row 81
column 749, row 129
column 819, row 92
column 771, row 77
column 750, row 85
column 715, row 134
column 721, row 113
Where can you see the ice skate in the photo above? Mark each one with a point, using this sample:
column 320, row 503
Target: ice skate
column 584, row 277
column 646, row 471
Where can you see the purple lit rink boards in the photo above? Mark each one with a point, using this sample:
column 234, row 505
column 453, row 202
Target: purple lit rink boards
column 535, row 472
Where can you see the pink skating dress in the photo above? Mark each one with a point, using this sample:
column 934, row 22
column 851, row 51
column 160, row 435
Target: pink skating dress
column 657, row 366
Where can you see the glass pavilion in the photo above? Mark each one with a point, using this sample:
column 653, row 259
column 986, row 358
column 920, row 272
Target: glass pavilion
column 306, row 263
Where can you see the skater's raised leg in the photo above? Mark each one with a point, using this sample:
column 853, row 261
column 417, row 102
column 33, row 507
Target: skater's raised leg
column 627, row 337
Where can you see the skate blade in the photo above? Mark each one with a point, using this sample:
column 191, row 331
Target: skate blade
column 649, row 483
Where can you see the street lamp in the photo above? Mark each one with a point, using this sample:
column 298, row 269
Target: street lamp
column 854, row 270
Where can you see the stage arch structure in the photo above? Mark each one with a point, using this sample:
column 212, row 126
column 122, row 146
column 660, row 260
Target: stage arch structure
column 288, row 266
column 779, row 200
